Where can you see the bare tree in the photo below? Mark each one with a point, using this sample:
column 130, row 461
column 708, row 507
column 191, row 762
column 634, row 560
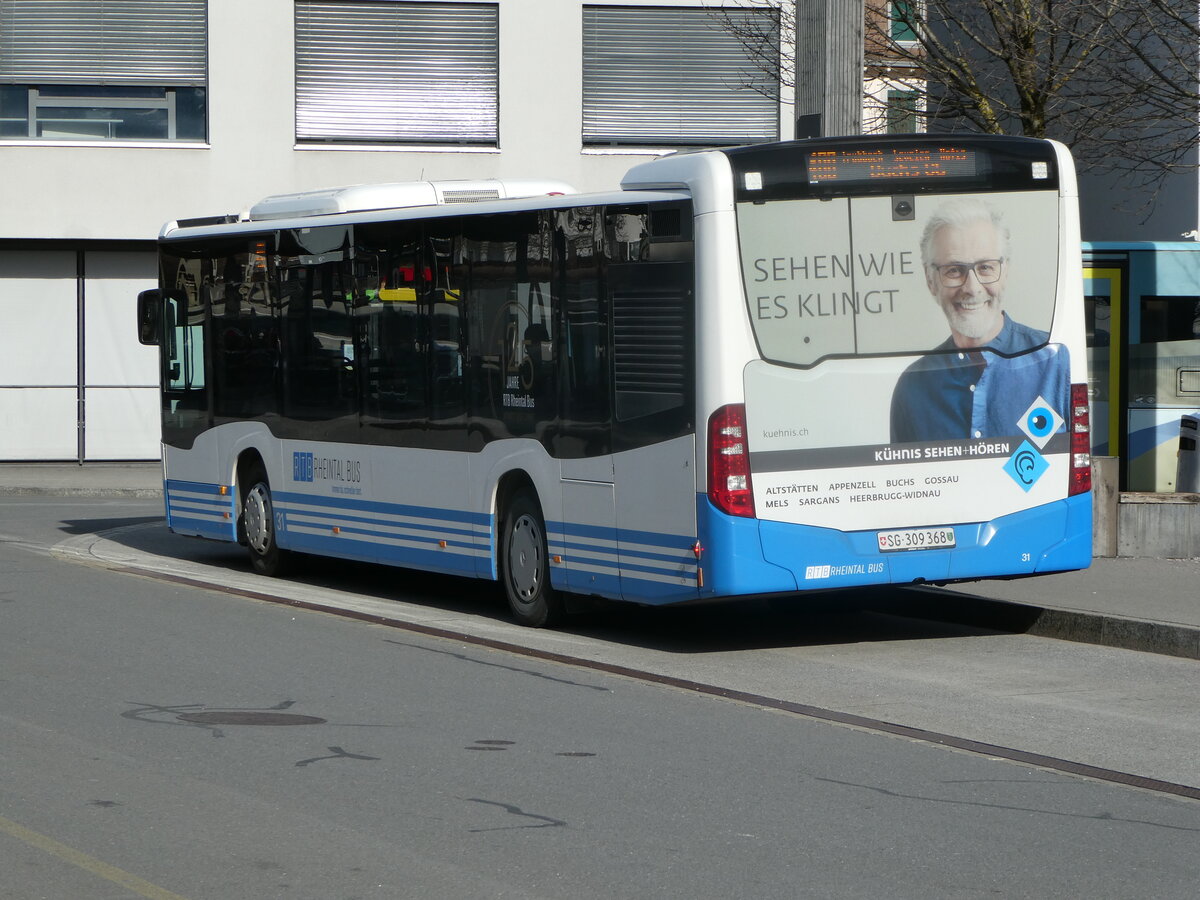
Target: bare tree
column 1114, row 79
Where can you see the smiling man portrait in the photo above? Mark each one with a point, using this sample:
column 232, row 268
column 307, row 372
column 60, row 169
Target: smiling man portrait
column 980, row 381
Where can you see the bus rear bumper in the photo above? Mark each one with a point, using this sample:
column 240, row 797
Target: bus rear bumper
column 749, row 556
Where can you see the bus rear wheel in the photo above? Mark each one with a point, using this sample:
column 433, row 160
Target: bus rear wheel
column 524, row 565
column 258, row 522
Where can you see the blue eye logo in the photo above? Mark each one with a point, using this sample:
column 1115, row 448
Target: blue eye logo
column 1040, row 422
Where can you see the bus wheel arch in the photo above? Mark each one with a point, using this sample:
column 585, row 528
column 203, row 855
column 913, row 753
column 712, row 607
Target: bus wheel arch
column 523, row 553
column 256, row 519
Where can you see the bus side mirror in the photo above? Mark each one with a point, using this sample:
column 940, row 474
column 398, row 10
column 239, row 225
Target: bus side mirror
column 149, row 313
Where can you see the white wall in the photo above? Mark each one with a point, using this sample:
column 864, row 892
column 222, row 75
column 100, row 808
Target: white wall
column 121, row 403
column 88, row 191
column 38, row 355
column 83, row 191
column 41, row 345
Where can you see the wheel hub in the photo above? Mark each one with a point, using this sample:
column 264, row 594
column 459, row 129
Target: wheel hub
column 525, row 558
column 258, row 518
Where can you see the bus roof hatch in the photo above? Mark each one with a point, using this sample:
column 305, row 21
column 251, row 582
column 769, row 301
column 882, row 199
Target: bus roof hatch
column 398, row 195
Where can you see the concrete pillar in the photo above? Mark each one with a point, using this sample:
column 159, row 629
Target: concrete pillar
column 829, row 67
column 1105, row 497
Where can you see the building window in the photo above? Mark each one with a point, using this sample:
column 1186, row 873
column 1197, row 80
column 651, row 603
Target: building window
column 902, row 111
column 900, row 14
column 424, row 73
column 678, row 76
column 135, row 70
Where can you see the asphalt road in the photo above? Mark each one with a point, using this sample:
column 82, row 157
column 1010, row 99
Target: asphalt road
column 163, row 739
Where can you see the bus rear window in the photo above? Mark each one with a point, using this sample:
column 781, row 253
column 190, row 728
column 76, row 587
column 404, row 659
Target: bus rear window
column 906, row 274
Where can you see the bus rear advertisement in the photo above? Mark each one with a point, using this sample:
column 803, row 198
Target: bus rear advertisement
column 747, row 372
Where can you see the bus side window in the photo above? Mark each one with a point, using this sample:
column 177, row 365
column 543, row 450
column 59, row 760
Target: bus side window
column 442, row 303
column 648, row 276
column 395, row 353
column 586, row 420
column 318, row 345
column 506, row 270
column 245, row 336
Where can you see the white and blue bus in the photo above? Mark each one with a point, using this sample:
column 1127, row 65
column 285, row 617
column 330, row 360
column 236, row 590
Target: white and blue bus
column 754, row 371
column 1142, row 300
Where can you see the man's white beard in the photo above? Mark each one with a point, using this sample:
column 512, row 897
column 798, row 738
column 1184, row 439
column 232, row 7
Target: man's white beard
column 978, row 322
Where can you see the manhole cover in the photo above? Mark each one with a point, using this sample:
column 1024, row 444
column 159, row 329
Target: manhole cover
column 242, row 717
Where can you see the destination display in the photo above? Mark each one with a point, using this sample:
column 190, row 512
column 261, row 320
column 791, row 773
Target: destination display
column 888, row 163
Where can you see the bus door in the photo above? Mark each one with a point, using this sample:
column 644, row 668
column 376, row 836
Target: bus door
column 183, row 354
column 582, row 442
column 649, row 285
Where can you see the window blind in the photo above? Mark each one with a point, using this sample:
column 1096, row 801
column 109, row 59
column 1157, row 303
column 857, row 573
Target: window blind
column 109, row 42
column 393, row 71
column 657, row 75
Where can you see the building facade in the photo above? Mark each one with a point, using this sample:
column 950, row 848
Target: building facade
column 116, row 118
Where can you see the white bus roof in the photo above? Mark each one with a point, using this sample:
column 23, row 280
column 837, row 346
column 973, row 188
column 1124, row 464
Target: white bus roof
column 704, row 174
column 301, row 217
column 399, row 195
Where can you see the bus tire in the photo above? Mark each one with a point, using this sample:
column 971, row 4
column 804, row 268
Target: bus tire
column 525, row 566
column 258, row 523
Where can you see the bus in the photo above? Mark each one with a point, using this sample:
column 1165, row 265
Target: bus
column 746, row 372
column 1142, row 302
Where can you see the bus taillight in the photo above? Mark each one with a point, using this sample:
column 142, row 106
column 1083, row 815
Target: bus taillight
column 729, row 486
column 1081, row 441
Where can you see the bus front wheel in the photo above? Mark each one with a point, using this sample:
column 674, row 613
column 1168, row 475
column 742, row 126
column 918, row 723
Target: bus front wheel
column 258, row 518
column 524, row 566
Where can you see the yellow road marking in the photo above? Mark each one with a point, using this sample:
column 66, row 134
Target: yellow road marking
column 77, row 858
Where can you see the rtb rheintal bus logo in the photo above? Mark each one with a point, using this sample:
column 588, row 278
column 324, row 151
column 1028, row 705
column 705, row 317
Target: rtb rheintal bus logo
column 302, row 466
column 341, row 476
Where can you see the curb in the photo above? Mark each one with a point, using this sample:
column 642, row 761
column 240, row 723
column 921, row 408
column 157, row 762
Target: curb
column 127, row 492
column 944, row 605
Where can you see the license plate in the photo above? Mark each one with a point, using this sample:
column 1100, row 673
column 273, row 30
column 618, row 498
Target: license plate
column 916, row 539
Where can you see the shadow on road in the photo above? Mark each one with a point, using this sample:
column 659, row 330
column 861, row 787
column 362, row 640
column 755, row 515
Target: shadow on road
column 95, row 526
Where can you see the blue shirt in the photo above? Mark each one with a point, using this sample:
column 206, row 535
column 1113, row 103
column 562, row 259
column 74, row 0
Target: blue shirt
column 955, row 394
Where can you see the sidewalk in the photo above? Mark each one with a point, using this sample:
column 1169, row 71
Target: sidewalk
column 102, row 479
column 1137, row 603
column 1143, row 604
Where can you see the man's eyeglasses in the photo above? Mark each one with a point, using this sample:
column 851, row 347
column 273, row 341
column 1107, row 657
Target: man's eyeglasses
column 987, row 271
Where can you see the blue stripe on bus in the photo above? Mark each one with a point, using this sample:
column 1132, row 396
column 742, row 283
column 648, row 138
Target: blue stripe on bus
column 625, row 551
column 346, row 533
column 197, row 508
column 640, row 566
column 380, row 506
column 342, row 546
column 376, row 531
column 221, row 531
column 399, row 530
